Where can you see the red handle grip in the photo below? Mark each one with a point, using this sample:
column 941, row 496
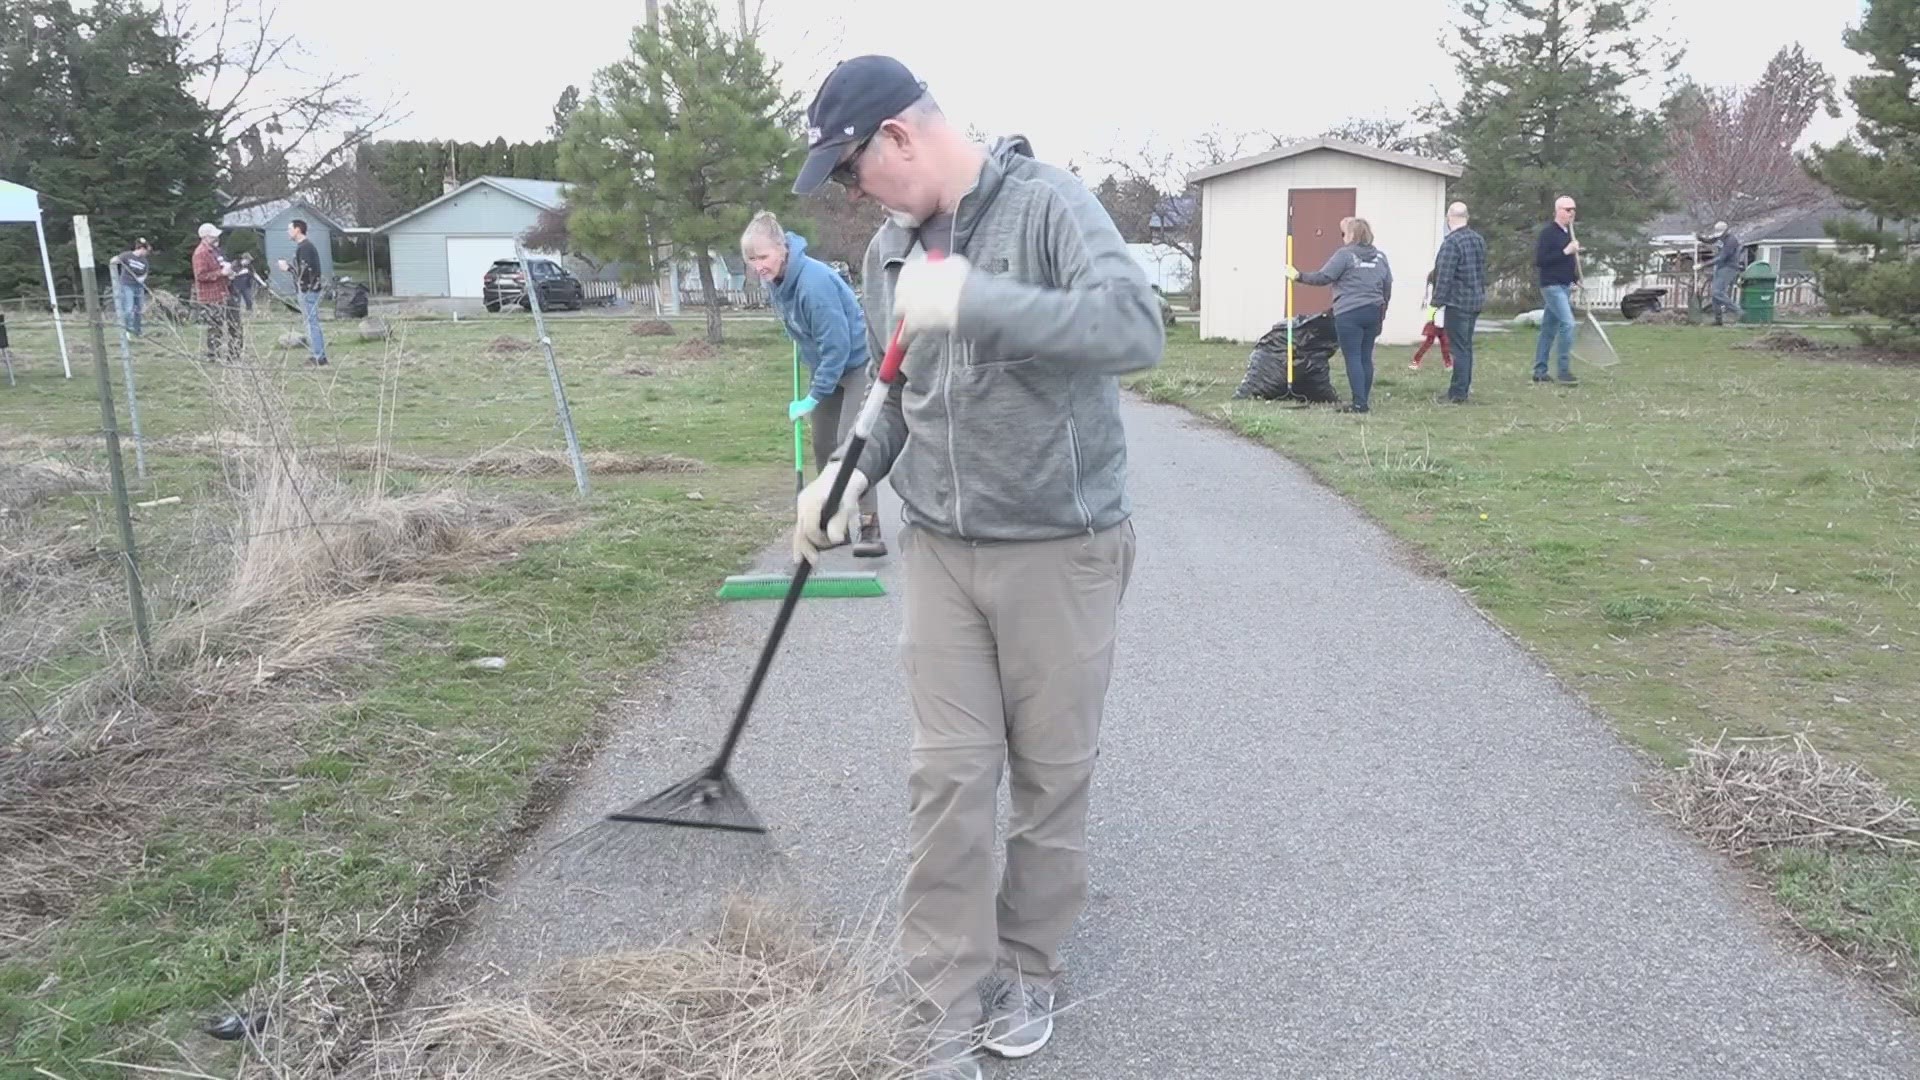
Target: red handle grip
column 897, row 348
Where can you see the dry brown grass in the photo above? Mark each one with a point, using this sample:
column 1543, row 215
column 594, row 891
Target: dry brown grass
column 1775, row 791
column 50, row 572
column 765, row 995
column 295, row 576
column 515, row 462
column 508, row 344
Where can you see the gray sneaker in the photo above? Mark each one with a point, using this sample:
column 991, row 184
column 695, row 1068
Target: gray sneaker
column 1019, row 1019
column 952, row 1059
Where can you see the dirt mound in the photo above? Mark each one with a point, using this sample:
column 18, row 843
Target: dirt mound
column 1781, row 339
column 652, row 328
column 505, row 344
column 694, row 349
column 641, row 371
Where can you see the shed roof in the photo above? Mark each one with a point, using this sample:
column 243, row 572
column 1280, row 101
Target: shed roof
column 1373, row 153
column 262, row 215
column 544, row 194
column 1793, row 223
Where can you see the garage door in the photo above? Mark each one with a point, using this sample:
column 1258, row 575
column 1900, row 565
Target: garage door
column 468, row 258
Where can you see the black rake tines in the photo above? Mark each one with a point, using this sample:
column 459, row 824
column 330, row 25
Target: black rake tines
column 708, row 800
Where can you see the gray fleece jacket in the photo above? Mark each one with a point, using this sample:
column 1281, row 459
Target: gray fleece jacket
column 1008, row 428
column 1359, row 275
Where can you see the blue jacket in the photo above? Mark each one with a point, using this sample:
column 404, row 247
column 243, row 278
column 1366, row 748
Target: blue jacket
column 822, row 314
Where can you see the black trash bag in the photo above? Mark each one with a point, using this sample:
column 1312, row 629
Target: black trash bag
column 1314, row 343
column 351, row 301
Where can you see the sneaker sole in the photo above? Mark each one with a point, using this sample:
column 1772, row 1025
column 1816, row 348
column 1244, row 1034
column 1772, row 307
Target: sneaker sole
column 1016, row 1052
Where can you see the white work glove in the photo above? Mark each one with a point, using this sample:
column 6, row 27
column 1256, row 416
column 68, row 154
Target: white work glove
column 927, row 295
column 1440, row 316
column 808, row 539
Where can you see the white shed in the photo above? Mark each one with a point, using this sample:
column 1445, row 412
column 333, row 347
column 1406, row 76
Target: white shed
column 1249, row 206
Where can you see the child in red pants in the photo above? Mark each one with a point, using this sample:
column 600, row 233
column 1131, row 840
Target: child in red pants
column 1431, row 333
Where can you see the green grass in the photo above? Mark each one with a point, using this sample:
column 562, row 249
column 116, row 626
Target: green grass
column 365, row 805
column 1702, row 539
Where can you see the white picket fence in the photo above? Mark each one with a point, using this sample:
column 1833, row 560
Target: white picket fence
column 1796, row 292
column 642, row 296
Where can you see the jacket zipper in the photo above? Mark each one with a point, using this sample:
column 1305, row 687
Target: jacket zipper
column 1079, row 496
column 946, row 392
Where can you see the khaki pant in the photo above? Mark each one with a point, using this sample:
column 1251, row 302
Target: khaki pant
column 832, row 425
column 1008, row 649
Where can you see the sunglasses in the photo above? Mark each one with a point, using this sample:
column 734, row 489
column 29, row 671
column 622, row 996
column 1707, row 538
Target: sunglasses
column 847, row 173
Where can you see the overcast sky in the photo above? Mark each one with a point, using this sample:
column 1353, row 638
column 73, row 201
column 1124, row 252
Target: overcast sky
column 1187, row 66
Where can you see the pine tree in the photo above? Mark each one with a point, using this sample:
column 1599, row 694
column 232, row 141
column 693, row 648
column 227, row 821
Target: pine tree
column 1877, row 271
column 95, row 114
column 680, row 143
column 1547, row 112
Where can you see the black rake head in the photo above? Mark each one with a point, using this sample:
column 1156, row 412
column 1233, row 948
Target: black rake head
column 707, row 800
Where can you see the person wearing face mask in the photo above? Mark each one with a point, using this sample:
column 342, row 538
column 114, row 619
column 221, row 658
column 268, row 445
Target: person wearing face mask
column 1003, row 438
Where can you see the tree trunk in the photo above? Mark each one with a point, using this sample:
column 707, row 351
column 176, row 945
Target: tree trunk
column 712, row 297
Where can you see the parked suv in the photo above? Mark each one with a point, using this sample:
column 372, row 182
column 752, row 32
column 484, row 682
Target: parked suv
column 506, row 286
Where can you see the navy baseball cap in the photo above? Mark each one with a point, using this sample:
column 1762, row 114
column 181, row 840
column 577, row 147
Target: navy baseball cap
column 857, row 97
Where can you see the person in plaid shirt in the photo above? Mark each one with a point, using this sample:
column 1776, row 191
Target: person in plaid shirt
column 1459, row 292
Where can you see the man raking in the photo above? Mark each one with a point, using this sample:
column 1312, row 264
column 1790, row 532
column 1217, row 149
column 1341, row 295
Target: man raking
column 1003, row 439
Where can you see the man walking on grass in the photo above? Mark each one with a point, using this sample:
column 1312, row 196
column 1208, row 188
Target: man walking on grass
column 1554, row 256
column 129, row 271
column 1003, row 438
column 213, row 294
column 306, row 284
column 1459, row 292
column 1728, row 258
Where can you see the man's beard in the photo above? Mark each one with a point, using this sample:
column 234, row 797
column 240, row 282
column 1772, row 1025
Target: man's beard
column 903, row 219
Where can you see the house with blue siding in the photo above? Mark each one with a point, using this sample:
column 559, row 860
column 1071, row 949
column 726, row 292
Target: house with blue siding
column 445, row 247
column 270, row 220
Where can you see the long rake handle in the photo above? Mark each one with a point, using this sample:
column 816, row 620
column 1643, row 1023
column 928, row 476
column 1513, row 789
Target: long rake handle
column 862, row 428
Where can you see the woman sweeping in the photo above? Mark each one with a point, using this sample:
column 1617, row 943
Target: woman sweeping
column 824, row 318
column 1362, row 287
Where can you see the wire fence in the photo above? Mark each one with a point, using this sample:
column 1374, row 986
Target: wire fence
column 247, row 424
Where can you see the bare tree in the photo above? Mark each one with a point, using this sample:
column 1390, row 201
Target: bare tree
column 283, row 128
column 1730, row 149
column 1386, row 133
column 1154, row 198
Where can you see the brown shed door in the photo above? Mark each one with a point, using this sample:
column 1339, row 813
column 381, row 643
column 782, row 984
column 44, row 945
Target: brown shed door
column 1313, row 218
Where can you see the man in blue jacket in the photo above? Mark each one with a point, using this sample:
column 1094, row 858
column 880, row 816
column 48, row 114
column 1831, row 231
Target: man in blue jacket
column 821, row 314
column 1555, row 255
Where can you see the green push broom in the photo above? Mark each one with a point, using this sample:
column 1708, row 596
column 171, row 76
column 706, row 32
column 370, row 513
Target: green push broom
column 774, row 586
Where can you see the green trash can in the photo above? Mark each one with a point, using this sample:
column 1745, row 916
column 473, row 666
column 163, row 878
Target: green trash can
column 1757, row 283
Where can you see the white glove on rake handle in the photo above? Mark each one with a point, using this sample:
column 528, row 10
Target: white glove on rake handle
column 708, row 799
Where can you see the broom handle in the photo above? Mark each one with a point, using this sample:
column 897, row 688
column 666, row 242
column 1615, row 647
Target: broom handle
column 799, row 458
column 1289, row 315
column 862, row 427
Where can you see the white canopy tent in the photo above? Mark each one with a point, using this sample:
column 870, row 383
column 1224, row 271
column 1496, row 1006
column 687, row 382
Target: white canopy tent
column 19, row 205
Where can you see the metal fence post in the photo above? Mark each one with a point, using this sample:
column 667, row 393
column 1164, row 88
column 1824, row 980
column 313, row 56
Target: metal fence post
column 553, row 371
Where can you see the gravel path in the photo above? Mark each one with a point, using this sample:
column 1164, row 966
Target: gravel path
column 1343, row 826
